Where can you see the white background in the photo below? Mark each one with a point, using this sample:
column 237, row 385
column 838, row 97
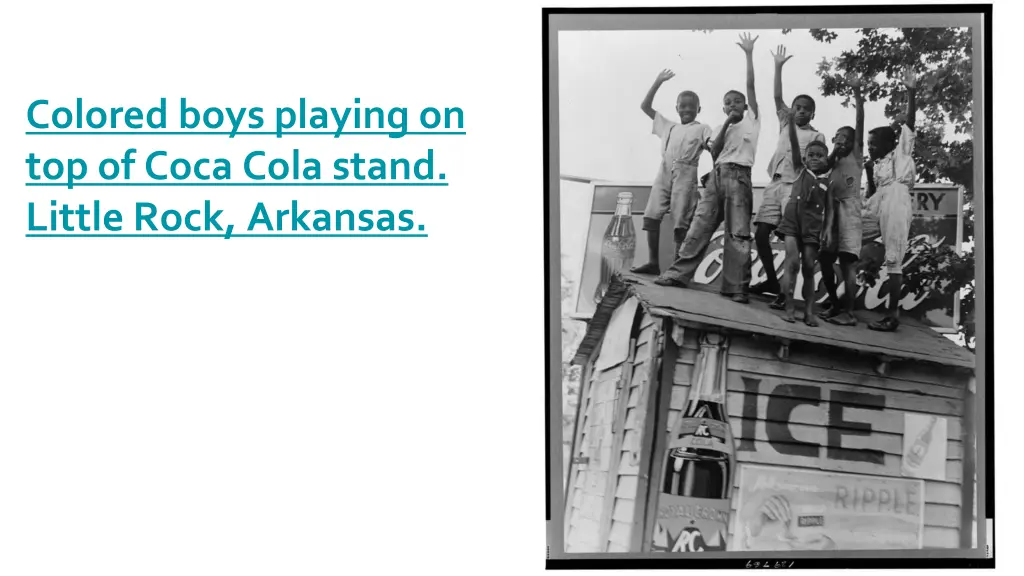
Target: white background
column 299, row 406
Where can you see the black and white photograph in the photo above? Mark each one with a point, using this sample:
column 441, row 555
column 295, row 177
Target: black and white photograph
column 766, row 282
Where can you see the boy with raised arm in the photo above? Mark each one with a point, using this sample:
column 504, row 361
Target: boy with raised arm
column 806, row 222
column 889, row 209
column 782, row 173
column 847, row 163
column 675, row 186
column 728, row 196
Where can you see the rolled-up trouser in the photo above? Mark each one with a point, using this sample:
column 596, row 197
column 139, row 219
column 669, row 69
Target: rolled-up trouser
column 887, row 215
column 774, row 201
column 728, row 198
column 847, row 227
column 674, row 192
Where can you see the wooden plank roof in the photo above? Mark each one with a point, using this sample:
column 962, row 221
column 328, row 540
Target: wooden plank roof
column 912, row 341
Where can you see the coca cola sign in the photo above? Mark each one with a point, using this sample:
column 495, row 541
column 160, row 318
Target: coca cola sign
column 937, row 221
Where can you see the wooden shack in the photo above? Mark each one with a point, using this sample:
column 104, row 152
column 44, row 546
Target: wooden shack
column 825, row 405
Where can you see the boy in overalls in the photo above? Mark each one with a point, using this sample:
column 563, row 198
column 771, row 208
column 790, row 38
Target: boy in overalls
column 782, row 174
column 806, row 223
column 675, row 186
column 728, row 196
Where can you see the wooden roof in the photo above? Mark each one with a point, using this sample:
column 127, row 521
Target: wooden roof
column 614, row 296
column 912, row 341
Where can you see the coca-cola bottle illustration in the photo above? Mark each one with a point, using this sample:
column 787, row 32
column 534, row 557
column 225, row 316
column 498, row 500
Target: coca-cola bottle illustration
column 619, row 244
column 696, row 485
column 917, row 452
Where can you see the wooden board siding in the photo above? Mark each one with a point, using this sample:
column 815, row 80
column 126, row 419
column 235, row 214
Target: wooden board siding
column 806, row 414
column 591, row 477
column 623, row 507
column 603, row 493
column 825, row 408
column 582, row 403
column 603, row 499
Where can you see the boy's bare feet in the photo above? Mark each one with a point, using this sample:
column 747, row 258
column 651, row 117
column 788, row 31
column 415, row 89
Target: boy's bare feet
column 665, row 281
column 842, row 319
column 829, row 310
column 887, row 324
column 649, row 268
column 810, row 320
column 740, row 298
column 790, row 310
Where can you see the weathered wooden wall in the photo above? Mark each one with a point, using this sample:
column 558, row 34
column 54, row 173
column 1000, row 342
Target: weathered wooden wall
column 809, row 412
column 603, row 491
column 805, row 413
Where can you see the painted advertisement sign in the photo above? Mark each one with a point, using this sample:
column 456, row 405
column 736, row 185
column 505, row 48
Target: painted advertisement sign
column 937, row 220
column 785, row 509
column 697, row 476
column 690, row 524
column 924, row 446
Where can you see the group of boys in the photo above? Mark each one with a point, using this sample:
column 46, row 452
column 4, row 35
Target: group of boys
column 813, row 201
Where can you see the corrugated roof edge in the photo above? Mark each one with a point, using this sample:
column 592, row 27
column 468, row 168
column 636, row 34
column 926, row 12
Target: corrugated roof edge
column 946, row 353
column 616, row 294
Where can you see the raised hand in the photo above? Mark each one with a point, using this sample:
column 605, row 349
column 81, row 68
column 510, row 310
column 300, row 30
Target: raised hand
column 647, row 106
column 909, row 79
column 746, row 42
column 780, row 56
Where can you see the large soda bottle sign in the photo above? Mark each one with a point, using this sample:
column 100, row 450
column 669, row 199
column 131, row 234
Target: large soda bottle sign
column 619, row 244
column 695, row 490
column 917, row 452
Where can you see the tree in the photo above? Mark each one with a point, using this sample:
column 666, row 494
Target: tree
column 944, row 151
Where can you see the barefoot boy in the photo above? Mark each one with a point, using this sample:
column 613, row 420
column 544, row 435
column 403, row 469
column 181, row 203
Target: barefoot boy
column 891, row 176
column 728, row 195
column 782, row 173
column 847, row 163
column 675, row 187
column 805, row 225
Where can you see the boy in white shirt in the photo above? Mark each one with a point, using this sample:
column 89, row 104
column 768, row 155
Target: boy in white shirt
column 675, row 186
column 889, row 209
column 728, row 196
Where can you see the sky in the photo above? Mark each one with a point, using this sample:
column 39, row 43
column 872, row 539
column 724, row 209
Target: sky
column 604, row 75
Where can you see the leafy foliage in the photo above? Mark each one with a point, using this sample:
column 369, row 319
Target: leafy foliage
column 941, row 270
column 944, row 149
column 822, row 35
